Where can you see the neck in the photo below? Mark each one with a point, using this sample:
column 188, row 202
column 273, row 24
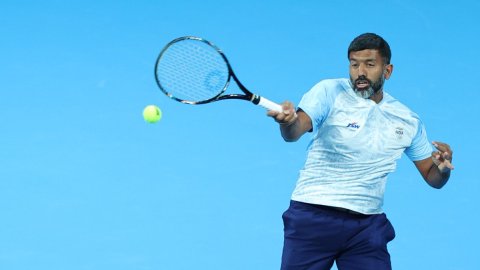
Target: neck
column 377, row 96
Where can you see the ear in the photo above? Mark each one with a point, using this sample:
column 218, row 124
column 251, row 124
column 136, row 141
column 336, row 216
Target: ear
column 388, row 71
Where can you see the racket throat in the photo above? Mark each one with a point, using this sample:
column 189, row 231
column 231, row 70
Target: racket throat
column 255, row 99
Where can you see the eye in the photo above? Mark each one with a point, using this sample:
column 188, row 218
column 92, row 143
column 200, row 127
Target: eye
column 370, row 64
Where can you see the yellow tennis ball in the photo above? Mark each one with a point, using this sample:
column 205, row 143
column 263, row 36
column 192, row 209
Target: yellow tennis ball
column 152, row 114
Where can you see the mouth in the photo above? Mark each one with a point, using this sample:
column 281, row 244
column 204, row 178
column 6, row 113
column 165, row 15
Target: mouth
column 362, row 84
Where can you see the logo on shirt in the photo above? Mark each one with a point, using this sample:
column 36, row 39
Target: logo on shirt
column 353, row 125
column 399, row 132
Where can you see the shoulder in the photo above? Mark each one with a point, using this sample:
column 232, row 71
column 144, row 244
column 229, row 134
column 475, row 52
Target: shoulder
column 338, row 84
column 331, row 87
column 397, row 109
column 317, row 102
column 393, row 104
column 327, row 92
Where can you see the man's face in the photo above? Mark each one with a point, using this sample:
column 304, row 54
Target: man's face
column 368, row 72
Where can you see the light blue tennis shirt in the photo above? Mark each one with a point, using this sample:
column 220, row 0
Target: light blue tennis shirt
column 356, row 143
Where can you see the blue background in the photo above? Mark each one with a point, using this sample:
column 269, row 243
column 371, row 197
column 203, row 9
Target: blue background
column 85, row 183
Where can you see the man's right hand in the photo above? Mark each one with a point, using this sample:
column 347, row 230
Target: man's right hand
column 293, row 124
column 287, row 116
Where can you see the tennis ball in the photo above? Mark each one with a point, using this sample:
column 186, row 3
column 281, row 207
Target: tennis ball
column 152, row 114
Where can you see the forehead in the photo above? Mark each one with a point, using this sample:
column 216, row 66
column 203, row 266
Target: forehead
column 365, row 55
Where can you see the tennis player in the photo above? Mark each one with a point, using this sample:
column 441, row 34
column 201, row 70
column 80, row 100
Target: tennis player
column 359, row 132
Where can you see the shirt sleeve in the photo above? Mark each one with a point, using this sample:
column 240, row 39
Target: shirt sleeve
column 420, row 147
column 316, row 103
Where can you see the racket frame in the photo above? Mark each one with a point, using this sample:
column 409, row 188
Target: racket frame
column 249, row 96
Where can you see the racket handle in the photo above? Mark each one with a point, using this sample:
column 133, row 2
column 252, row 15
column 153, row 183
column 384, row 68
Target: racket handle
column 267, row 104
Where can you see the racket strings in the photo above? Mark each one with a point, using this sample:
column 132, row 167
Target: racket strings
column 192, row 71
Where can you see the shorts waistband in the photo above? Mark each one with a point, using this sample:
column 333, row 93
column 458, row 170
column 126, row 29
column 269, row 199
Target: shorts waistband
column 333, row 209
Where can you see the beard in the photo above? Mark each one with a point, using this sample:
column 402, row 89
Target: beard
column 373, row 87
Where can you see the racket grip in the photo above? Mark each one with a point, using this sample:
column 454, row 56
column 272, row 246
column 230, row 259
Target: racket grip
column 269, row 105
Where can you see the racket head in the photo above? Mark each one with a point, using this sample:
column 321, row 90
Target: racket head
column 192, row 70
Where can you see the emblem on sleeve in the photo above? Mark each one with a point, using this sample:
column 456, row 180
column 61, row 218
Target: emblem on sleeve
column 399, row 132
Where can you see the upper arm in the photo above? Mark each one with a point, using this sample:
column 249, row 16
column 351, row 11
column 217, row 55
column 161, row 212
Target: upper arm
column 317, row 103
column 305, row 122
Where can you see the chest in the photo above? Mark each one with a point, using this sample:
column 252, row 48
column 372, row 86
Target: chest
column 368, row 128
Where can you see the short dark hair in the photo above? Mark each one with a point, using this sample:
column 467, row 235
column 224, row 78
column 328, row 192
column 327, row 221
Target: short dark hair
column 371, row 41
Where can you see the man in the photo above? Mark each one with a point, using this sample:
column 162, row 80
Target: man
column 359, row 132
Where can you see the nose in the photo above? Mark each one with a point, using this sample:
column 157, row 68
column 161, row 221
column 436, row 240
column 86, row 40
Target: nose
column 362, row 71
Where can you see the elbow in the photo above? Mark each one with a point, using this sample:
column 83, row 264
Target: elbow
column 436, row 179
column 291, row 136
column 290, row 139
column 437, row 184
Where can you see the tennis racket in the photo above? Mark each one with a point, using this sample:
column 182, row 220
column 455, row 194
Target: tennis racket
column 192, row 70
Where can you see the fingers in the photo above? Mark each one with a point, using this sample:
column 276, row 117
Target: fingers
column 443, row 157
column 448, row 164
column 442, row 146
column 444, row 150
column 287, row 116
column 443, row 165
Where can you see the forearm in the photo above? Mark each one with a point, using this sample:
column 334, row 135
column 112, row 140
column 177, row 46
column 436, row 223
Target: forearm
column 293, row 124
column 441, row 160
column 291, row 132
column 436, row 178
column 436, row 169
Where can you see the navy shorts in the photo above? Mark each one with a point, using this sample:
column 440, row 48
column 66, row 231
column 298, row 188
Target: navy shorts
column 316, row 236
